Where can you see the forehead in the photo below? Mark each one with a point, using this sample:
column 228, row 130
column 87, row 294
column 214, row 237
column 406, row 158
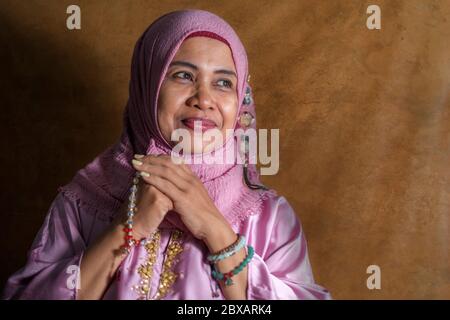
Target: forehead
column 206, row 51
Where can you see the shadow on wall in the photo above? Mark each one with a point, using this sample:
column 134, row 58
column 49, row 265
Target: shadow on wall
column 50, row 112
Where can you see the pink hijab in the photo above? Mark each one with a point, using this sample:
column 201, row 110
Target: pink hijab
column 103, row 185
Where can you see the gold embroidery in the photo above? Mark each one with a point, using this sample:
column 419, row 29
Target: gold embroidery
column 168, row 277
column 146, row 270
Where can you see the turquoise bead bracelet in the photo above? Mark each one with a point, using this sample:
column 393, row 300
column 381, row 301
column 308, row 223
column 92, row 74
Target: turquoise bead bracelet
column 226, row 277
column 228, row 252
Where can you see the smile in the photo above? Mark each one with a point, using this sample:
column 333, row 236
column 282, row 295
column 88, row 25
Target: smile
column 202, row 124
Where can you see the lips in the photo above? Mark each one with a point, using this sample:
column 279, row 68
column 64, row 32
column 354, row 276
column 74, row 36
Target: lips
column 205, row 124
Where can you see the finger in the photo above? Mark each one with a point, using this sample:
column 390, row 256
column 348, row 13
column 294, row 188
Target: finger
column 186, row 169
column 165, row 160
column 163, row 185
column 163, row 171
column 181, row 163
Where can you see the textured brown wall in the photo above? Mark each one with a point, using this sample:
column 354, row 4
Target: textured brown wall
column 364, row 120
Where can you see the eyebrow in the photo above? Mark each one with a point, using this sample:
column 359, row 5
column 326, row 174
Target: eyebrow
column 193, row 66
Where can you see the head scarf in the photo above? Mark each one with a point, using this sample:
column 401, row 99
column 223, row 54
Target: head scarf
column 103, row 185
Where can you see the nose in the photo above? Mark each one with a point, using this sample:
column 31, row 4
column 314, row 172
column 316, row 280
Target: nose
column 201, row 99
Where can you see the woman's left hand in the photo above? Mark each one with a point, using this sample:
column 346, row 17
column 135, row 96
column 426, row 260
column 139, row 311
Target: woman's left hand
column 188, row 194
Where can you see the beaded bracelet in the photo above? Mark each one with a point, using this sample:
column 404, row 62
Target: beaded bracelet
column 130, row 241
column 228, row 251
column 226, row 277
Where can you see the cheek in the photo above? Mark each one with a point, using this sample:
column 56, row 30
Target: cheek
column 164, row 123
column 166, row 113
column 229, row 113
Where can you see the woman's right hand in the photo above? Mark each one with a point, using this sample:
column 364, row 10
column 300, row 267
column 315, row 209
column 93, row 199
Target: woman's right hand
column 152, row 206
column 100, row 260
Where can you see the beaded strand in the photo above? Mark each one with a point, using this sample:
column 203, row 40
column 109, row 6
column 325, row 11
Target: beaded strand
column 226, row 277
column 228, row 251
column 130, row 241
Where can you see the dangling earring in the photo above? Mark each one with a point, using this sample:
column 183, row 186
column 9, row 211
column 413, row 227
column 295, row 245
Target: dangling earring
column 248, row 97
column 246, row 119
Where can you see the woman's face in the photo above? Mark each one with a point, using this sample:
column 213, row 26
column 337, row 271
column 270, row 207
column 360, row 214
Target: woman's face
column 200, row 85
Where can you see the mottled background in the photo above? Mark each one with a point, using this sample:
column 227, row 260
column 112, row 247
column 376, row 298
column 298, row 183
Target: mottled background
column 364, row 118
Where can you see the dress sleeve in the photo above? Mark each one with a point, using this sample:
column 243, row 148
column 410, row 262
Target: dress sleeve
column 51, row 270
column 280, row 268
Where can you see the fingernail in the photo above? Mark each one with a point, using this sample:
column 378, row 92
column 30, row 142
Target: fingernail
column 145, row 174
column 136, row 162
column 138, row 156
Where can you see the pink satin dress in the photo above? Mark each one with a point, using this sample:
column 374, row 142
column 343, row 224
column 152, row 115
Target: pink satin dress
column 280, row 268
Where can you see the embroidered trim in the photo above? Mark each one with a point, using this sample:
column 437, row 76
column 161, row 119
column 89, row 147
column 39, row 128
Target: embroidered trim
column 145, row 270
column 168, row 276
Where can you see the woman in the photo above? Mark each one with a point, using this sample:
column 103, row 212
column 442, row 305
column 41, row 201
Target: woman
column 134, row 224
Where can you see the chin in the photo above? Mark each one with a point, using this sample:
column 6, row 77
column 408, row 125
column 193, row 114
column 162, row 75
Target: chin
column 198, row 149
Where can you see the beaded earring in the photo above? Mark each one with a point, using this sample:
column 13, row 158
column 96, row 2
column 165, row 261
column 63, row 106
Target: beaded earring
column 246, row 120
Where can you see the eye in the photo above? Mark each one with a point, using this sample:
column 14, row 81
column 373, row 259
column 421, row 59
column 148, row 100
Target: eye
column 183, row 73
column 227, row 84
